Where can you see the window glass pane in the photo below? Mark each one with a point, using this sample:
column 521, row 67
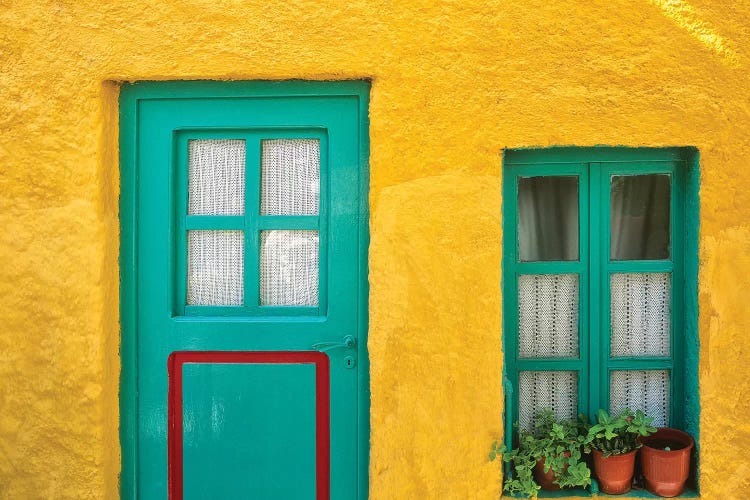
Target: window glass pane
column 538, row 390
column 215, row 268
column 216, row 177
column 640, row 314
column 289, row 268
column 548, row 218
column 548, row 316
column 639, row 217
column 645, row 390
column 290, row 172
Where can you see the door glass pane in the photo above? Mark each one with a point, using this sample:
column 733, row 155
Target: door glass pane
column 639, row 217
column 557, row 390
column 289, row 268
column 548, row 316
column 645, row 390
column 216, row 177
column 548, row 218
column 290, row 172
column 640, row 314
column 215, row 268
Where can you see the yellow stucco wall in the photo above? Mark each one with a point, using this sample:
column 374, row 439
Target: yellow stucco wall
column 454, row 82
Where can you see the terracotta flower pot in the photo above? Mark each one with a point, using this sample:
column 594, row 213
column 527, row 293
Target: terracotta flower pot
column 666, row 471
column 547, row 479
column 615, row 472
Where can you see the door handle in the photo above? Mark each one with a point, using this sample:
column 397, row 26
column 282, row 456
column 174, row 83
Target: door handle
column 348, row 342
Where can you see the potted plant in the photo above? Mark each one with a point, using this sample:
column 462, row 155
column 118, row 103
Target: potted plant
column 665, row 460
column 614, row 442
column 547, row 458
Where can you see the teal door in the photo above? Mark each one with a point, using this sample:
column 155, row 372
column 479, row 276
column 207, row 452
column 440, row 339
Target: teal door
column 244, row 364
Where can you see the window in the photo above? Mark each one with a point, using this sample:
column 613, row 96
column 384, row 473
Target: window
column 250, row 221
column 599, row 283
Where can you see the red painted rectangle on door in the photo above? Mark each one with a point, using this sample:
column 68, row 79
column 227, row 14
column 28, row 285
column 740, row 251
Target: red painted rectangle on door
column 322, row 406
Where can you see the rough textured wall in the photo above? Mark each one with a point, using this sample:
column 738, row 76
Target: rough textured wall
column 454, row 82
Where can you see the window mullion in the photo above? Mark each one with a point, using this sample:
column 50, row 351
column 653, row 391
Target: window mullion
column 252, row 211
column 585, row 331
column 597, row 269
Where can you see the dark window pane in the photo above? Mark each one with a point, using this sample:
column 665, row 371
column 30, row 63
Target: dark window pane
column 548, row 218
column 639, row 217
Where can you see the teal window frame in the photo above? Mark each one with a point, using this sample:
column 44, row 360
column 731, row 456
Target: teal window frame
column 594, row 166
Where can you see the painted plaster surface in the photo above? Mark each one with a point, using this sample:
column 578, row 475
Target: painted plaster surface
column 454, row 82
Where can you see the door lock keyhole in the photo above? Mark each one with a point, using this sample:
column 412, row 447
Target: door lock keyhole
column 350, row 362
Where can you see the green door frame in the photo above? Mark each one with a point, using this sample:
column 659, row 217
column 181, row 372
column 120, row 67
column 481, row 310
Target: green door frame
column 130, row 98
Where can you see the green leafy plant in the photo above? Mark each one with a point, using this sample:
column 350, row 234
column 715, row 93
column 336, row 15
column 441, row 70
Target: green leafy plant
column 618, row 435
column 557, row 443
column 522, row 481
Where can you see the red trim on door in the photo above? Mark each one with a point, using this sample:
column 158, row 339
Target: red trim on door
column 322, row 408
